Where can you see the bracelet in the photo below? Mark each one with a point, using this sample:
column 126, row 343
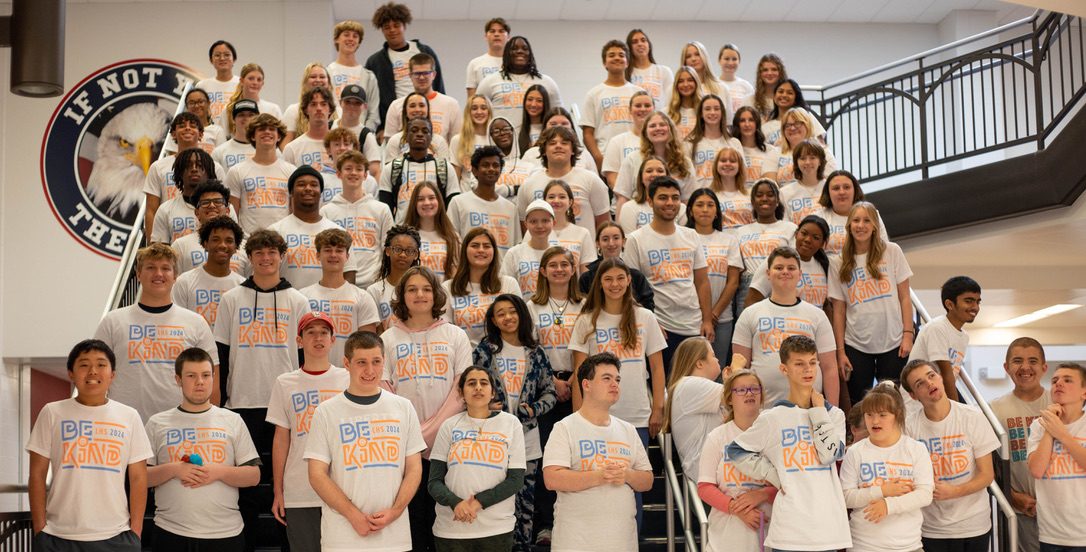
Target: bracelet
column 909, row 331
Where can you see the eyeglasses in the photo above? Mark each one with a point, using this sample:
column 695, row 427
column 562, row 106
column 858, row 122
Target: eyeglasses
column 793, row 126
column 421, row 74
column 222, row 56
column 501, row 131
column 409, row 251
column 211, row 203
column 751, row 390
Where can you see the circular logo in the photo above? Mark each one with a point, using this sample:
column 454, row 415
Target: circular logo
column 99, row 144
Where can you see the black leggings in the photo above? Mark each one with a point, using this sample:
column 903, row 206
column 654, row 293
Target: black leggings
column 867, row 367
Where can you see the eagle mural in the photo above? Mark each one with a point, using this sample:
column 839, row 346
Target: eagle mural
column 127, row 146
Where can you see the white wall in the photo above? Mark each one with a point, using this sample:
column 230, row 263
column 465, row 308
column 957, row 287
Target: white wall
column 53, row 289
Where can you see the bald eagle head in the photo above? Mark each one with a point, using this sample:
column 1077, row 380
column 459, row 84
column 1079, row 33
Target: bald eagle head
column 126, row 149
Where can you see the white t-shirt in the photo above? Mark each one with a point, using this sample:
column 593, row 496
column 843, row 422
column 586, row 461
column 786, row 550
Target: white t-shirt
column 590, row 198
column 191, row 255
column 304, row 150
column 760, row 162
column 261, row 330
column 446, row 115
column 688, row 118
column 600, row 518
column 835, row 242
column 468, row 210
column 668, row 263
column 940, row 340
column 735, row 208
column 695, row 412
column 434, row 251
column 784, row 436
column 554, row 328
column 219, row 436
column 800, row 201
column 1059, row 493
column 865, row 468
column 764, row 325
column 232, row 152
column 955, row 443
column 657, row 80
column 618, row 148
column 366, row 449
column 301, row 265
column 480, row 68
column 262, row 191
column 146, row 345
column 478, row 454
column 160, row 180
column 366, row 220
column 757, row 240
column 607, row 110
column 510, row 365
column 423, row 366
column 634, row 403
column 218, row 93
column 506, row 94
column 294, row 399
column 401, row 69
column 721, row 251
column 521, row 263
column 726, row 532
column 578, row 241
column 173, row 219
column 703, row 155
column 88, row 448
column 412, row 174
column 626, row 180
column 873, row 308
column 341, row 75
column 812, row 287
column 383, row 293
column 200, row 292
column 740, row 90
column 348, row 306
column 469, row 311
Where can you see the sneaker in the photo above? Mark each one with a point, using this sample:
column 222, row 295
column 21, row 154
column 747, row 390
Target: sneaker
column 543, row 538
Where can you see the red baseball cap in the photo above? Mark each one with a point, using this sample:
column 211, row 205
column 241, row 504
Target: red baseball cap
column 310, row 318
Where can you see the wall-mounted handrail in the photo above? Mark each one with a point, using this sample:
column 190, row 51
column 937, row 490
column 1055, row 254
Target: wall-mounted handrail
column 688, row 503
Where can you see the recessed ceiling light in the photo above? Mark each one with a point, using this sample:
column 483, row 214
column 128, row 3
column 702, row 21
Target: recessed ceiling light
column 1037, row 315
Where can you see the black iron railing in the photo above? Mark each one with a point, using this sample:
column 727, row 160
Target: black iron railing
column 1011, row 86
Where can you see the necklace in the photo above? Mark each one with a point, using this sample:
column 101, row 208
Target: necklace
column 559, row 310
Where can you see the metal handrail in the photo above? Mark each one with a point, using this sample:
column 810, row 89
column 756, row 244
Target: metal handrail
column 683, row 507
column 135, row 238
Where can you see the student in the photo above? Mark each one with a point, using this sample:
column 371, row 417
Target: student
column 643, row 70
column 621, row 145
column 346, row 71
column 770, row 72
column 576, row 239
column 740, row 504
column 814, row 265
column 960, row 442
column 424, row 356
column 536, row 105
column 200, row 290
column 671, row 258
column 659, row 138
column 415, row 106
column 476, row 283
column 365, row 219
column 800, row 196
column 887, row 478
column 759, row 156
column 761, row 237
column 440, row 243
column 721, row 250
column 150, row 334
column 709, row 135
column 797, row 125
column 294, row 399
column 316, row 109
column 522, row 260
column 258, row 186
column 595, row 462
column 444, row 110
column 694, row 402
column 212, row 200
column 1057, row 459
column 390, row 64
column 400, row 252
column 1016, row 410
column 483, row 207
column 352, row 105
column 638, row 211
column 560, row 152
column 610, row 242
column 558, row 117
column 872, row 306
column 505, row 89
column 606, row 113
column 85, row 427
column 943, row 341
column 400, row 175
column 515, row 171
column 198, row 102
column 476, row 467
column 301, row 265
column 249, row 86
column 511, row 352
column 237, row 148
column 840, row 193
column 348, row 307
column 314, row 75
column 555, row 306
column 696, row 57
column 739, row 88
column 176, row 217
column 196, row 503
column 363, row 489
column 161, row 183
column 793, row 446
column 496, row 31
column 763, row 326
column 684, row 101
column 222, row 56
column 474, row 134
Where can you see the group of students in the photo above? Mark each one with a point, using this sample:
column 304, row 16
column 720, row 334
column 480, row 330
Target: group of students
column 517, row 310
